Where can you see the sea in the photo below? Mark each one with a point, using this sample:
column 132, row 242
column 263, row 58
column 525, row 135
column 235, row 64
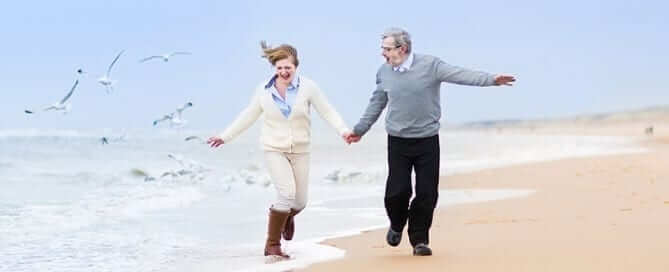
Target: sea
column 150, row 200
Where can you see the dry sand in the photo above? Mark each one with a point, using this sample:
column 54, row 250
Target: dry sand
column 608, row 213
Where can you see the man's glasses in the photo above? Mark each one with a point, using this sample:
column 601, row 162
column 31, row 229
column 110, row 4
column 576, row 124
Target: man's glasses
column 388, row 49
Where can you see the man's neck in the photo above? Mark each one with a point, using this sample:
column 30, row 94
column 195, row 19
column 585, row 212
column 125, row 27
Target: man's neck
column 404, row 59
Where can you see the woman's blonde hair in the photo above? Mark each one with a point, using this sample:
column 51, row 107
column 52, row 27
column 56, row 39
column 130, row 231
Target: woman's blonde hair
column 278, row 53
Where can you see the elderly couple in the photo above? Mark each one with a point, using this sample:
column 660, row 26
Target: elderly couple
column 408, row 84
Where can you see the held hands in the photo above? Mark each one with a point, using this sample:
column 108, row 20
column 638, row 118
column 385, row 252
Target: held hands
column 350, row 137
column 504, row 80
column 215, row 141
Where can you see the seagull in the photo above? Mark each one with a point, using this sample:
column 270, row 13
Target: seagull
column 175, row 117
column 165, row 57
column 106, row 80
column 81, row 71
column 60, row 105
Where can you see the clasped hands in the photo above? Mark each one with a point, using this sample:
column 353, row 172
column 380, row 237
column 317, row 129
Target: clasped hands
column 350, row 137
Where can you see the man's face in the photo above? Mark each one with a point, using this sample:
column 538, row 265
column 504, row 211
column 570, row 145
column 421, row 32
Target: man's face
column 393, row 54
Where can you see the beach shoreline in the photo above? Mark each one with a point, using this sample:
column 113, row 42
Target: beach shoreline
column 601, row 213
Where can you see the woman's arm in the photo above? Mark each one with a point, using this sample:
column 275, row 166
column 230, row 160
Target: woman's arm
column 245, row 119
column 327, row 112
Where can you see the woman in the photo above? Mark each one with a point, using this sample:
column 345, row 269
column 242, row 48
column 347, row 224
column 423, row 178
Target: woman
column 284, row 101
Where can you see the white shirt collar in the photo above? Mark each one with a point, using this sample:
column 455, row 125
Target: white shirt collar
column 295, row 83
column 405, row 65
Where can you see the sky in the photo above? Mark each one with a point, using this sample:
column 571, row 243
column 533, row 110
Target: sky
column 569, row 57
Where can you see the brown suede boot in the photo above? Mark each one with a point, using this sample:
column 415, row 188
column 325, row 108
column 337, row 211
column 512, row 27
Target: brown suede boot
column 289, row 228
column 277, row 220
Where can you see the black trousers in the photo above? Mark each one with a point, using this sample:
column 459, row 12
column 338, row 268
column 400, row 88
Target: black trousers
column 422, row 156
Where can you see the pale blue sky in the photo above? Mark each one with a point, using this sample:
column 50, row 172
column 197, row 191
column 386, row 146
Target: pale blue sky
column 570, row 57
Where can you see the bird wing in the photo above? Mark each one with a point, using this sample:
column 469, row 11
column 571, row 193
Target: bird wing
column 182, row 108
column 193, row 138
column 180, row 53
column 49, row 108
column 70, row 93
column 112, row 64
column 149, row 58
column 165, row 117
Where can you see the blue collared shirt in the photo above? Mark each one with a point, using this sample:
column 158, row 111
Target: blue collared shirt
column 285, row 105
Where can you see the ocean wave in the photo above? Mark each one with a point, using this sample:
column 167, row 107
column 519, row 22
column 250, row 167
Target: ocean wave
column 106, row 205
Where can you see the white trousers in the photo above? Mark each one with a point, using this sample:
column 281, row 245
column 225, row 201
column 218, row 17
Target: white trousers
column 290, row 175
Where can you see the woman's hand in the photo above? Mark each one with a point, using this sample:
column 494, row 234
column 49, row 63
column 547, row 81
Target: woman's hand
column 215, row 141
column 350, row 137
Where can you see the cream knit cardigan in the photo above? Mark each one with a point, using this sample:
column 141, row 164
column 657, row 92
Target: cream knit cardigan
column 290, row 134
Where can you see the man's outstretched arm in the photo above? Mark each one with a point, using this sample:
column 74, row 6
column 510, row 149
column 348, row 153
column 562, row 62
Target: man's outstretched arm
column 458, row 75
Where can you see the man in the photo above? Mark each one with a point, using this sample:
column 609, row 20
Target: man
column 409, row 84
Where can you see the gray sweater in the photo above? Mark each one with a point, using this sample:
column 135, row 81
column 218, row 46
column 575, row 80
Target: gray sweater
column 412, row 96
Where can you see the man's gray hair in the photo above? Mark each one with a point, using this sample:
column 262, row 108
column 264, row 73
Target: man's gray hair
column 401, row 36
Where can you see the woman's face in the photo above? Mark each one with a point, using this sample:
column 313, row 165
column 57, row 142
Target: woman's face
column 285, row 70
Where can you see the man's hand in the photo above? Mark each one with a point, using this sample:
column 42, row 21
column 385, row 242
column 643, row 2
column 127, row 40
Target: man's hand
column 215, row 141
column 351, row 137
column 504, row 80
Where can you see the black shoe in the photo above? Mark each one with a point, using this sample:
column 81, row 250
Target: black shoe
column 422, row 250
column 393, row 238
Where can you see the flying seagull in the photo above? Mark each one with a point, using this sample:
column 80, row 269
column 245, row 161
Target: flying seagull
column 61, row 105
column 165, row 57
column 175, row 117
column 106, row 80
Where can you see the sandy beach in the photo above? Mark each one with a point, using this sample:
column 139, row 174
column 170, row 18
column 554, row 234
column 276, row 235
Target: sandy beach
column 605, row 213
